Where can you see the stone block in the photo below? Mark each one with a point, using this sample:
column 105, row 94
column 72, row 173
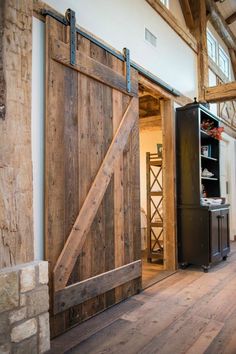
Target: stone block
column 9, row 290
column 4, row 328
column 27, row 279
column 17, row 315
column 43, row 272
column 22, row 299
column 37, row 301
column 28, row 346
column 5, row 348
column 44, row 333
column 24, row 330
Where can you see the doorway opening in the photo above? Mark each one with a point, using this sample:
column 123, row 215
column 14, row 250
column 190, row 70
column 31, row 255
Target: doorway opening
column 153, row 153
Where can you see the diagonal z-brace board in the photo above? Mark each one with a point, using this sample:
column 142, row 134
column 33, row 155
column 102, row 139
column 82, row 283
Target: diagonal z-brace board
column 77, row 237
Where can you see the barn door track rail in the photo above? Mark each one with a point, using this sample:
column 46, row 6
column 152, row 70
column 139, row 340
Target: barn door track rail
column 70, row 20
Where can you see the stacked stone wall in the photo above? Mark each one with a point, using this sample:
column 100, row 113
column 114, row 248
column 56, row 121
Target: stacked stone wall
column 24, row 303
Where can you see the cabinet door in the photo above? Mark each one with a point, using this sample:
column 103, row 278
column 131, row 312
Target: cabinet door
column 225, row 247
column 215, row 235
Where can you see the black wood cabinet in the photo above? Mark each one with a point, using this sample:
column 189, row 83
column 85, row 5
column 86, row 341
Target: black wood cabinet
column 203, row 230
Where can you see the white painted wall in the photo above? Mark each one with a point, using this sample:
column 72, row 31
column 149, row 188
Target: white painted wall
column 148, row 143
column 121, row 23
column 37, row 133
column 212, row 82
column 228, row 173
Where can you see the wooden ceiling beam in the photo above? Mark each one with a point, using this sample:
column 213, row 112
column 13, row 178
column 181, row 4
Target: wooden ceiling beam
column 147, row 99
column 154, row 90
column 221, row 93
column 150, row 122
column 187, row 12
column 150, row 114
column 231, row 18
column 220, row 25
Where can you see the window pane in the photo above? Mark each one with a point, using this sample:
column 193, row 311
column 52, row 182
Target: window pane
column 165, row 2
column 223, row 61
column 211, row 46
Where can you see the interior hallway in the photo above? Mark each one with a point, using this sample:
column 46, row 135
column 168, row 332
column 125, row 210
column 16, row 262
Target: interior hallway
column 189, row 312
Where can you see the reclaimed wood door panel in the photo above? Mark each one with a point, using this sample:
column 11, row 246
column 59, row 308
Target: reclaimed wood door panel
column 92, row 210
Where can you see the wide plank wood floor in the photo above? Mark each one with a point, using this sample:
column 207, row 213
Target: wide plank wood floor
column 189, row 312
column 153, row 273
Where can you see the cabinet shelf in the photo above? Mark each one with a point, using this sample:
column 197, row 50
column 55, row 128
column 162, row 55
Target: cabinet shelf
column 209, row 158
column 210, row 178
column 205, row 135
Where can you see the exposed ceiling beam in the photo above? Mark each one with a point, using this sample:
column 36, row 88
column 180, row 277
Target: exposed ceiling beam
column 154, row 90
column 187, row 12
column 150, row 122
column 231, row 18
column 149, row 114
column 221, row 93
column 220, row 25
column 148, row 99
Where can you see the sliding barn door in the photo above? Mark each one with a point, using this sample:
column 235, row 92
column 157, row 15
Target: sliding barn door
column 92, row 219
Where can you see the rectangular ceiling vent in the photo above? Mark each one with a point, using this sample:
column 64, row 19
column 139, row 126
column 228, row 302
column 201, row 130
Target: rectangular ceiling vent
column 149, row 37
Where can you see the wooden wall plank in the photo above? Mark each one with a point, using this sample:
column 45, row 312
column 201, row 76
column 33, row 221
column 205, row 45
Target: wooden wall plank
column 16, row 196
column 82, row 291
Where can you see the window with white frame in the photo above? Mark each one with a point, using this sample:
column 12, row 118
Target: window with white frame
column 217, row 54
column 223, row 61
column 211, row 46
column 165, row 2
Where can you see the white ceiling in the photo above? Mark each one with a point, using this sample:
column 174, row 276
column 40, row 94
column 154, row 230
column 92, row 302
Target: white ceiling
column 227, row 8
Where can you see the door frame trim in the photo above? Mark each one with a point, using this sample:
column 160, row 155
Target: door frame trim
column 169, row 171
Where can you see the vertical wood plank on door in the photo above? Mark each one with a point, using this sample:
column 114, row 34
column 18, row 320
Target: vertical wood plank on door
column 71, row 192
column 118, row 192
column 136, row 193
column 135, row 237
column 54, row 162
column 109, row 195
column 82, row 268
column 128, row 221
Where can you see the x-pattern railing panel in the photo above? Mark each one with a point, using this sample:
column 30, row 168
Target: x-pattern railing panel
column 156, row 180
column 156, row 208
